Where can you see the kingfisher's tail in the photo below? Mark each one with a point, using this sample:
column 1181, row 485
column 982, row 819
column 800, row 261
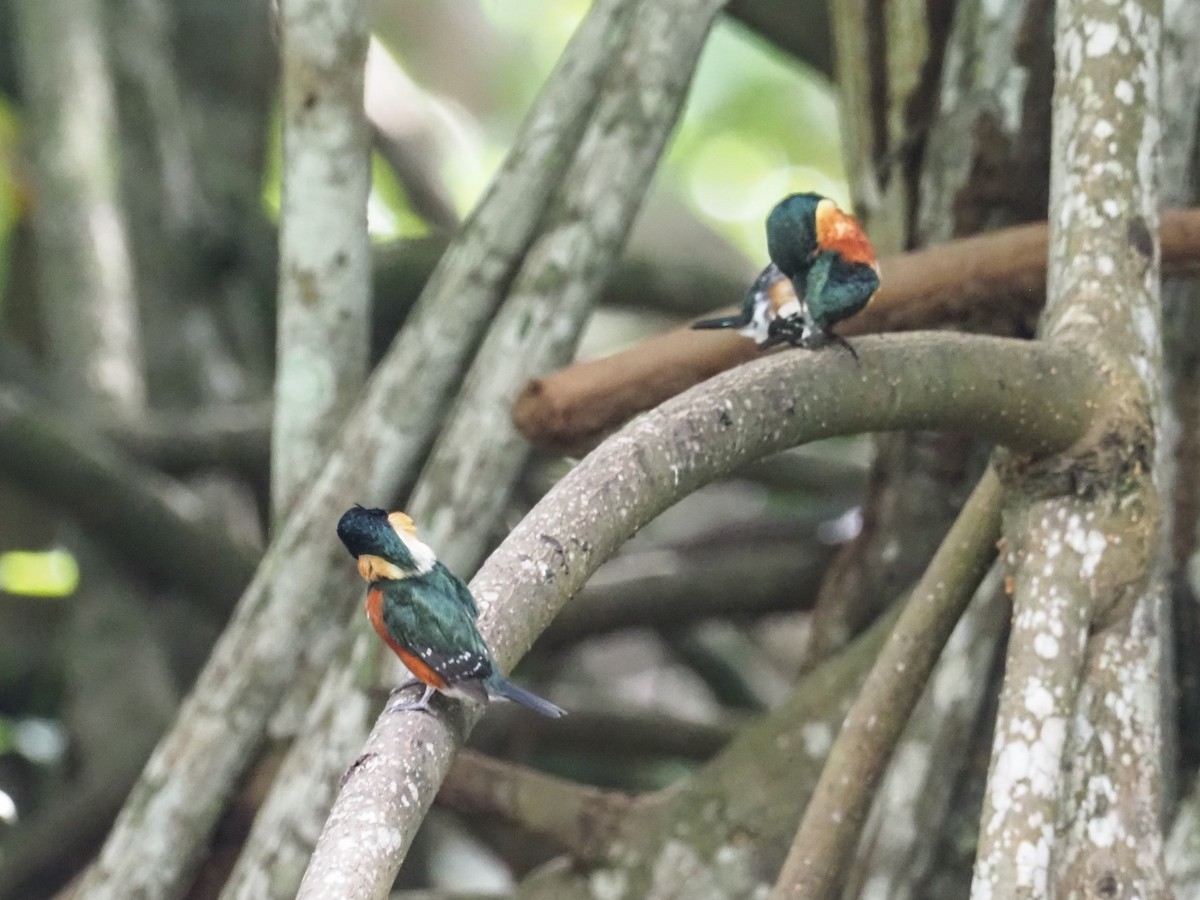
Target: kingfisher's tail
column 500, row 686
column 738, row 321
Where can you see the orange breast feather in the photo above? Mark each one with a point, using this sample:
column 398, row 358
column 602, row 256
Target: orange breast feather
column 411, row 661
column 840, row 231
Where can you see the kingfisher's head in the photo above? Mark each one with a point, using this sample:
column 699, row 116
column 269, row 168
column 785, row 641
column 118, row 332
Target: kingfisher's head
column 792, row 232
column 384, row 543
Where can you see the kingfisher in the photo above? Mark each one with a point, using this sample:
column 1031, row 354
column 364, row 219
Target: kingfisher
column 426, row 614
column 830, row 264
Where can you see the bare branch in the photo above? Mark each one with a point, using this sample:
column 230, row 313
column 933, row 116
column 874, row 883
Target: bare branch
column 613, row 732
column 833, row 818
column 975, row 282
column 324, row 250
column 85, row 270
column 397, row 109
column 900, row 842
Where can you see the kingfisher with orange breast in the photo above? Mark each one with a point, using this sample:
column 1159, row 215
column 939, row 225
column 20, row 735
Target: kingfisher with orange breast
column 425, row 614
column 823, row 270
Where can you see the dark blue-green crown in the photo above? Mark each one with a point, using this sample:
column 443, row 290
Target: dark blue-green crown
column 368, row 531
column 792, row 233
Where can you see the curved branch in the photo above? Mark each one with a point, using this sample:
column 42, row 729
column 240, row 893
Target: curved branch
column 578, row 818
column 971, row 281
column 1011, row 391
column 833, row 819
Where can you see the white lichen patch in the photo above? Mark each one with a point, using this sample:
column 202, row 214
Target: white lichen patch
column 1123, row 91
column 1038, row 701
column 1088, row 543
column 608, row 884
column 818, row 738
column 1102, row 39
column 1045, row 645
column 1033, row 864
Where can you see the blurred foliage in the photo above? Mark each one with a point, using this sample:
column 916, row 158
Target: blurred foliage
column 15, row 192
column 53, row 573
column 758, row 125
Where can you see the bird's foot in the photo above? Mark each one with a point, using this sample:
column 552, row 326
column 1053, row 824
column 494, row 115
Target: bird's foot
column 817, row 338
column 396, row 704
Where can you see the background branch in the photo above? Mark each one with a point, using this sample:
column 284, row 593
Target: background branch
column 582, row 820
column 683, row 585
column 324, row 250
column 834, row 816
column 153, row 521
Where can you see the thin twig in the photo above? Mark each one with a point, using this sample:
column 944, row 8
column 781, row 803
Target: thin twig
column 833, row 819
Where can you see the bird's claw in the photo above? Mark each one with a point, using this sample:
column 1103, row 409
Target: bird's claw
column 395, row 705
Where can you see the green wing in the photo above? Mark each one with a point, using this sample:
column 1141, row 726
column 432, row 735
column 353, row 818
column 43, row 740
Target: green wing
column 428, row 617
column 836, row 289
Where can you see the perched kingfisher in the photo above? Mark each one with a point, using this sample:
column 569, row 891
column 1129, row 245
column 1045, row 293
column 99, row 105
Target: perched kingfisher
column 425, row 613
column 830, row 264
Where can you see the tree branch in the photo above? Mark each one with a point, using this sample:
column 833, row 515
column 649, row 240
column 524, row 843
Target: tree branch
column 739, row 579
column 834, row 816
column 324, row 250
column 898, row 851
column 578, row 818
column 404, row 135
column 1073, row 795
column 971, row 282
column 611, row 732
column 84, row 266
column 1006, row 390
column 801, row 32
